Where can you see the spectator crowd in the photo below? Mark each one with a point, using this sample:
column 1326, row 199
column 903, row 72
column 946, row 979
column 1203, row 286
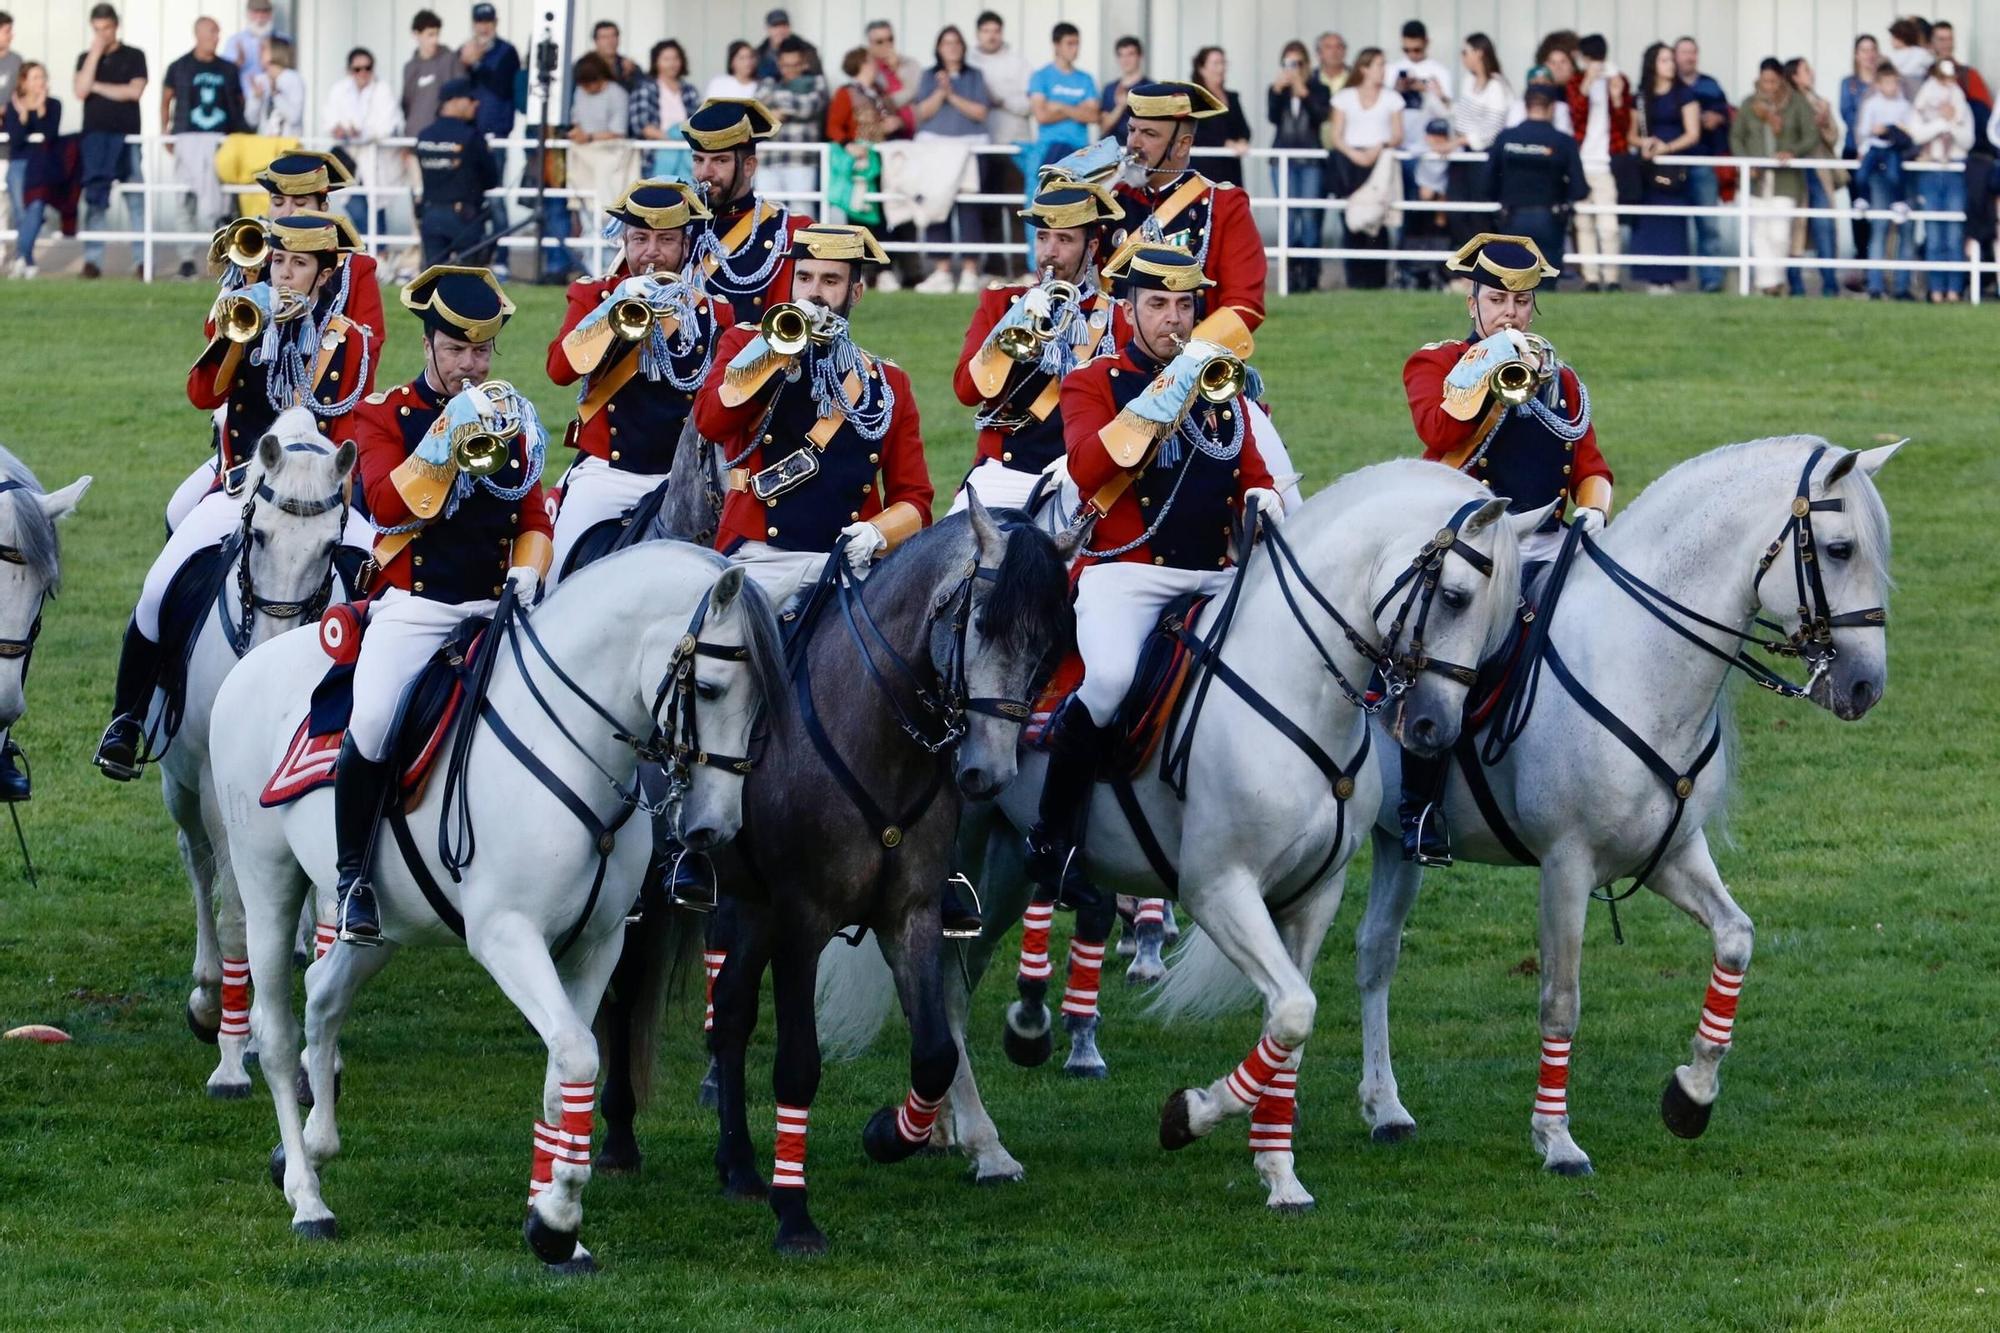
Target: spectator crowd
column 1386, row 148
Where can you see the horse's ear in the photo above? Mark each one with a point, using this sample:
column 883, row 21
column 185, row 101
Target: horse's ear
column 1526, row 523
column 270, row 453
column 343, row 460
column 62, row 503
column 1070, row 540
column 1483, row 517
column 990, row 542
column 726, row 589
column 1870, row 461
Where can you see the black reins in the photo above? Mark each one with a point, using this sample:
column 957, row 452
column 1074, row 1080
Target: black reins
column 22, row 648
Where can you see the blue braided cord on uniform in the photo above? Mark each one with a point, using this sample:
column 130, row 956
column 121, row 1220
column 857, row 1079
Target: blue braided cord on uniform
column 1549, row 417
column 1199, row 439
column 285, row 352
column 830, row 365
column 538, row 446
column 658, row 358
column 727, row 279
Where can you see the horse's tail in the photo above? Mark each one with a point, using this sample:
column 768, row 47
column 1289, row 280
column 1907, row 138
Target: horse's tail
column 853, row 997
column 662, row 956
column 1201, row 982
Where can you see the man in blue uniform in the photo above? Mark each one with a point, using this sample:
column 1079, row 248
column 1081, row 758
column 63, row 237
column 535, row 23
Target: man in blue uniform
column 1536, row 174
column 458, row 170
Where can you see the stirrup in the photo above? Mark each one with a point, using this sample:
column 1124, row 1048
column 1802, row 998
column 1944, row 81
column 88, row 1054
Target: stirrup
column 367, row 937
column 1431, row 860
column 675, row 882
column 116, row 769
column 951, row 932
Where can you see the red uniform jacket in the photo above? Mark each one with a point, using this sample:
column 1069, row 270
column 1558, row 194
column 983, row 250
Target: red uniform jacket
column 1194, row 525
column 647, row 414
column 1525, row 462
column 223, row 374
column 1030, row 447
column 809, row 517
column 364, row 306
column 759, row 238
column 1235, row 251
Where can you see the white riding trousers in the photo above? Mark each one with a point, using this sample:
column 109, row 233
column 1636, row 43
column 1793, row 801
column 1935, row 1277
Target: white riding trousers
column 189, row 493
column 593, row 491
column 781, row 574
column 403, row 632
column 1276, row 457
column 997, row 485
column 1117, row 606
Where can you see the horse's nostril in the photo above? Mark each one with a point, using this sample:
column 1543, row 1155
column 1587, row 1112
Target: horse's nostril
column 699, row 839
column 1863, row 692
column 1424, row 731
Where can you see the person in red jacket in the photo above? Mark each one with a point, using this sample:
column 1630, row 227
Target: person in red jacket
column 303, row 181
column 820, row 444
column 449, row 542
column 745, row 250
column 636, row 395
column 1175, row 204
column 1170, row 473
column 1533, row 452
column 1020, row 421
column 307, row 355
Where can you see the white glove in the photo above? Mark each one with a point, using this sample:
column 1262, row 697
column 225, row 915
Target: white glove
column 1036, row 303
column 527, row 581
column 639, row 286
column 864, row 542
column 1270, row 505
column 1591, row 519
column 819, row 317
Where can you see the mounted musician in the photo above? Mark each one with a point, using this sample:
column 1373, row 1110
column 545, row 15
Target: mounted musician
column 302, row 181
column 1501, row 406
column 280, row 341
column 1027, row 337
column 452, row 464
column 744, row 252
column 641, row 340
column 1161, row 445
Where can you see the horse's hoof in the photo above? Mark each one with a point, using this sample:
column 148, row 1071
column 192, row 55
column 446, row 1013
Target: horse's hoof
column 930, row 1148
column 301, row 959
column 1401, row 1131
column 796, row 1232
column 1014, row 1177
column 1027, row 1052
column 1293, row 1209
column 319, row 1228
column 744, row 1185
column 1098, row 1070
column 228, row 1092
column 208, row 1034
column 804, row 1243
column 579, row 1264
column 1580, row 1167
column 1686, row 1118
column 1137, row 975
column 1175, row 1131
column 709, row 1095
column 619, row 1159
column 252, row 1058
column 881, row 1141
column 278, row 1167
column 552, row 1247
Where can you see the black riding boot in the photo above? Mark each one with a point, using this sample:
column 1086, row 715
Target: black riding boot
column 956, row 920
column 138, row 673
column 1420, row 810
column 687, row 885
column 359, row 786
column 13, row 782
column 1055, row 844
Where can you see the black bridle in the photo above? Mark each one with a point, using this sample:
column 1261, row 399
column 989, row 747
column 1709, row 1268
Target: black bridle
column 249, row 602
column 22, row 648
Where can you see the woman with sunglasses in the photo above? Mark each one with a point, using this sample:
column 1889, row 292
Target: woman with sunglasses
column 359, row 113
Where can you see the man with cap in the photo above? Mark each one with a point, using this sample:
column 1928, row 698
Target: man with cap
column 745, row 249
column 1540, row 451
column 309, row 355
column 458, row 169
column 448, row 545
column 1020, row 418
column 1169, row 473
column 1171, row 202
column 1535, row 173
column 492, row 66
column 302, row 181
column 636, row 395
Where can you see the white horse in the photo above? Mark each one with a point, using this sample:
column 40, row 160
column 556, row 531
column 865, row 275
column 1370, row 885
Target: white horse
column 662, row 648
column 1260, row 845
column 295, row 514
column 1715, row 540
column 30, row 572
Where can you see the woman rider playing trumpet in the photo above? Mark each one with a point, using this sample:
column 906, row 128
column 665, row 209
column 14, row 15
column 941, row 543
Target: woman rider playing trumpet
column 274, row 344
column 1528, row 436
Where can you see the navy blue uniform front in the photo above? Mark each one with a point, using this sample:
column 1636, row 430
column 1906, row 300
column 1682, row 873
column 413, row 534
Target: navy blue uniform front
column 458, row 170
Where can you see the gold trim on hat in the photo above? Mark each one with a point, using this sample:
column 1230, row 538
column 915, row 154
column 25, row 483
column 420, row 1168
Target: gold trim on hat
column 663, row 217
column 476, row 330
column 1183, row 275
column 325, row 178
column 1472, row 255
column 746, row 130
column 852, row 243
column 313, row 233
column 1188, row 101
column 1099, row 207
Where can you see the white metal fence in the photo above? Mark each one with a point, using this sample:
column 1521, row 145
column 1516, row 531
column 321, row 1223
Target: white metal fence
column 1274, row 206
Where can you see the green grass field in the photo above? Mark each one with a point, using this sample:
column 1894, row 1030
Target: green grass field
column 1851, row 1178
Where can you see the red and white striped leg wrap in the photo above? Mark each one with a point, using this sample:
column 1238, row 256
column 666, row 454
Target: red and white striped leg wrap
column 547, row 1139
column 1277, row 1110
column 1718, row 1010
column 1246, row 1083
column 235, row 997
column 579, row 1104
column 1035, row 942
column 1152, row 911
column 323, row 938
column 914, row 1120
column 711, row 961
column 788, row 1159
column 1552, row 1085
column 1086, row 966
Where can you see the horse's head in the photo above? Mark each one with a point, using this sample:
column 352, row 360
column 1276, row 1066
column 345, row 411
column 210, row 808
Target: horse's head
column 30, row 571
column 706, row 681
column 1015, row 624
column 1826, row 583
column 295, row 510
column 1446, row 606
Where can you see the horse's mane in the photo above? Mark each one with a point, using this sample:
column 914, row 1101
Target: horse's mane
column 34, row 531
column 1028, row 609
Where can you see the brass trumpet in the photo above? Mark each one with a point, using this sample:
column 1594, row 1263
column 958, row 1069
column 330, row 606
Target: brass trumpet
column 481, row 448
column 786, row 328
column 631, row 319
column 1024, row 341
column 1516, row 381
column 1222, row 379
column 244, row 243
column 241, row 320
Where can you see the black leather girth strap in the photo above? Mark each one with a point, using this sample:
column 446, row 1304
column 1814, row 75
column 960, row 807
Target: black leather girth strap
column 1142, row 830
column 399, row 827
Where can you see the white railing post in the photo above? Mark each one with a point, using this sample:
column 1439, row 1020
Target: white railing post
column 1743, row 284
column 1284, row 175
